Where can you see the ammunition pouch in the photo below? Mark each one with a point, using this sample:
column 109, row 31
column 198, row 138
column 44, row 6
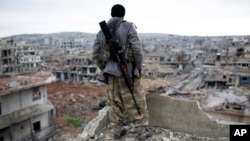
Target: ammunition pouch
column 129, row 56
column 104, row 56
column 107, row 54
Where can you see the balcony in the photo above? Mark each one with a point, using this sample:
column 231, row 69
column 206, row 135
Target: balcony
column 43, row 135
column 23, row 114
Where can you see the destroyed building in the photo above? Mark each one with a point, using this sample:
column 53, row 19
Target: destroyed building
column 70, row 63
column 25, row 112
column 165, row 65
column 16, row 59
column 77, row 69
column 7, row 62
column 212, row 94
column 207, row 80
column 235, row 65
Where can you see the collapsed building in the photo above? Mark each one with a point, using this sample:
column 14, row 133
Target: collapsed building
column 202, row 100
column 70, row 64
column 167, row 65
column 203, row 92
column 25, row 112
column 77, row 69
column 17, row 59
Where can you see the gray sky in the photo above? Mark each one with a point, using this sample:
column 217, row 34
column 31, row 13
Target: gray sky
column 180, row 17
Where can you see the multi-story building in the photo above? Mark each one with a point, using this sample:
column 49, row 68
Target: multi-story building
column 8, row 60
column 28, row 57
column 18, row 59
column 25, row 112
column 77, row 69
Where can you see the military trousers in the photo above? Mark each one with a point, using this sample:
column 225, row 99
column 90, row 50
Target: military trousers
column 122, row 106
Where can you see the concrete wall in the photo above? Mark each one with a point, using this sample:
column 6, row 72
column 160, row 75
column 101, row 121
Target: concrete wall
column 6, row 99
column 43, row 118
column 19, row 131
column 5, row 134
column 182, row 116
column 23, row 129
column 19, row 100
column 169, row 113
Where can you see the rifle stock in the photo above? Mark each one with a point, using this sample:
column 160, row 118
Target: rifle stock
column 118, row 53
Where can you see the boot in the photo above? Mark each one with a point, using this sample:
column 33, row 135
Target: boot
column 119, row 134
column 145, row 134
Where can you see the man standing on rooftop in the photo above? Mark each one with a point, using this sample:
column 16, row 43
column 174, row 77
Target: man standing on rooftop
column 122, row 108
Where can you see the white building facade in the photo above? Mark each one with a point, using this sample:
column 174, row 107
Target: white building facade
column 25, row 113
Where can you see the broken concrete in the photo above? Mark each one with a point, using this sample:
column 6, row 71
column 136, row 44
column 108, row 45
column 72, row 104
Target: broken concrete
column 95, row 125
column 182, row 116
column 176, row 115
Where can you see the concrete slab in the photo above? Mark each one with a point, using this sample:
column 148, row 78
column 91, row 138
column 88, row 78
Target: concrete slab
column 182, row 116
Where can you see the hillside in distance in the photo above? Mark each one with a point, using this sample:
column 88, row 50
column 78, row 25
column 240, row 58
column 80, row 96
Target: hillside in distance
column 74, row 35
column 60, row 35
column 150, row 40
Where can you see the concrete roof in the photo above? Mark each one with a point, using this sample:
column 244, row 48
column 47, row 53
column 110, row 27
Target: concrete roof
column 24, row 82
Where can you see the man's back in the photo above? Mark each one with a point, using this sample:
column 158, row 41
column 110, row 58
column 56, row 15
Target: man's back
column 122, row 106
column 128, row 38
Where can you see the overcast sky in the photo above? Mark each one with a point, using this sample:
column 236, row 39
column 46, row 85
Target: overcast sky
column 180, row 17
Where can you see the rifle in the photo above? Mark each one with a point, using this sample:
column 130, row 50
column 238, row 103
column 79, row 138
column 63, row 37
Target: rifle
column 118, row 53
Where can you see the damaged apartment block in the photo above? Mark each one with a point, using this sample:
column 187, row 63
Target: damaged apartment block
column 25, row 112
column 74, row 64
column 77, row 69
column 18, row 59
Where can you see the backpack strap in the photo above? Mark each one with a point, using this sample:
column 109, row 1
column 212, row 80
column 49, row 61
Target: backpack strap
column 127, row 48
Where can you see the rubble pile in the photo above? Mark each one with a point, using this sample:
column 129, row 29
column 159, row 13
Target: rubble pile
column 78, row 101
column 74, row 101
column 93, row 133
column 159, row 134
